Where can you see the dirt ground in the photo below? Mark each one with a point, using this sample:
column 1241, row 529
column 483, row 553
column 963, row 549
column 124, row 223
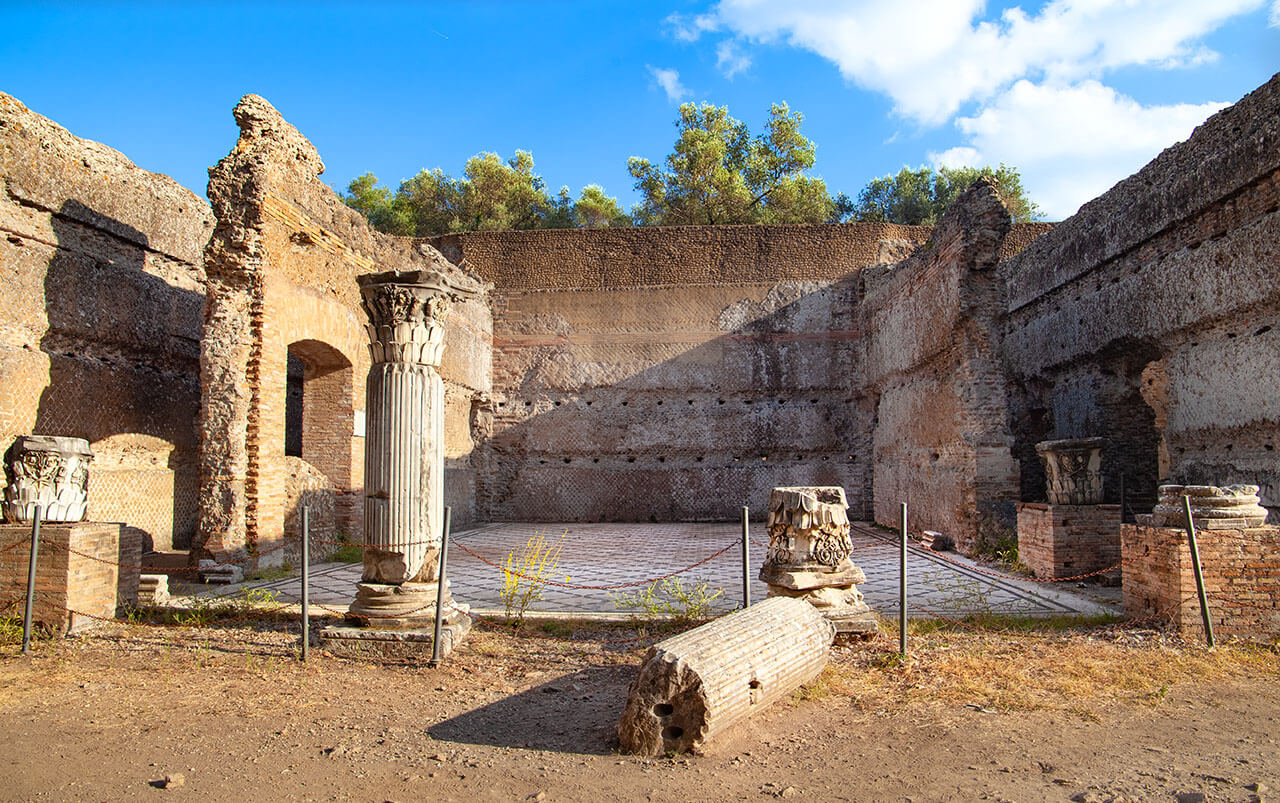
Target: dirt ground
column 1119, row 715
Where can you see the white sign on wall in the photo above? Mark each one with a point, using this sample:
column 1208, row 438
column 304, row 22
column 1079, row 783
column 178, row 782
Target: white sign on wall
column 359, row 424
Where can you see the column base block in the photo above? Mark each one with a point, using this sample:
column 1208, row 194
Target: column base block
column 350, row 641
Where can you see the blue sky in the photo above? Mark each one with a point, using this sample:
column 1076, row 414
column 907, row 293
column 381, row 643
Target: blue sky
column 1076, row 93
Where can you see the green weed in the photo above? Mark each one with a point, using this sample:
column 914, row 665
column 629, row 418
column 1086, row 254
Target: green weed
column 670, row 598
column 526, row 574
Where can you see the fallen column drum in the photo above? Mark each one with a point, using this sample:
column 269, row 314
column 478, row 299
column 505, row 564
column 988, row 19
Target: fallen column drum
column 694, row 685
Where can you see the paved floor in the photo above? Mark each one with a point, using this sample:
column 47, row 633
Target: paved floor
column 618, row 554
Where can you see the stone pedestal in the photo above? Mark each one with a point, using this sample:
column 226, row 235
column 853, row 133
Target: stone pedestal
column 48, row 472
column 1073, row 470
column 1232, row 507
column 1068, row 540
column 808, row 556
column 74, row 590
column 404, row 455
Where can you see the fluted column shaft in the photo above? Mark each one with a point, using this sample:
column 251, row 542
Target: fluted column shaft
column 404, row 424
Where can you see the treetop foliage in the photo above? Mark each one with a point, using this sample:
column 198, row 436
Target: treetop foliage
column 920, row 197
column 717, row 172
column 492, row 195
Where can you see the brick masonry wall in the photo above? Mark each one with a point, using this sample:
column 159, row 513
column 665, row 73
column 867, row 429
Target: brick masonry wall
column 599, row 259
column 941, row 441
column 100, row 262
column 1068, row 540
column 676, row 372
column 1241, row 573
column 1152, row 316
column 89, row 583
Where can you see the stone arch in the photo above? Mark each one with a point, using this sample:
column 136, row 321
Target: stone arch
column 325, row 337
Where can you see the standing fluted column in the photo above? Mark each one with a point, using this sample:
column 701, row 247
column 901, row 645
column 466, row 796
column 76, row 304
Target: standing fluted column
column 404, row 409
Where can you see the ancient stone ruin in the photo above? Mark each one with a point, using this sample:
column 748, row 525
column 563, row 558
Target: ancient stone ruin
column 808, row 557
column 1073, row 470
column 1074, row 534
column 1213, row 508
column 210, row 353
column 1237, row 555
column 404, row 455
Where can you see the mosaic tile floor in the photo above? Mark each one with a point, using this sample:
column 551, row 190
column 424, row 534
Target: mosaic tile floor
column 615, row 554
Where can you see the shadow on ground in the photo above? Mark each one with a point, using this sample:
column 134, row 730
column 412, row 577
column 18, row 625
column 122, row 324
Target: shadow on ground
column 574, row 713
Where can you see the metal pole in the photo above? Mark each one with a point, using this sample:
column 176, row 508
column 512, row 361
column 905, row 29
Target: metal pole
column 1195, row 564
column 746, row 558
column 1122, row 497
column 31, row 582
column 902, row 587
column 306, row 582
column 440, row 580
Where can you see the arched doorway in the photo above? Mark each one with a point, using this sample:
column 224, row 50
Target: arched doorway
column 320, row 420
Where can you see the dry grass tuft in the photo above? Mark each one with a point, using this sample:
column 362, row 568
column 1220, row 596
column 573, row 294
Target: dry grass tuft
column 1078, row 673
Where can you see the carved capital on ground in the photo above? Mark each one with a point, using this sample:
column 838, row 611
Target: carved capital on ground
column 809, row 547
column 808, row 528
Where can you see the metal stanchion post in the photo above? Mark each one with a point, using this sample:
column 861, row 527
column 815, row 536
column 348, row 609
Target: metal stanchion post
column 1195, row 565
column 902, row 586
column 306, row 582
column 1122, row 498
column 746, row 557
column 31, row 582
column 440, row 580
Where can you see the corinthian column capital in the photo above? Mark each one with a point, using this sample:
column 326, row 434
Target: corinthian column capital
column 407, row 311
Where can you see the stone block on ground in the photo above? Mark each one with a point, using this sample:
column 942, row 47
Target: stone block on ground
column 214, row 574
column 931, row 539
column 153, row 589
column 351, row 641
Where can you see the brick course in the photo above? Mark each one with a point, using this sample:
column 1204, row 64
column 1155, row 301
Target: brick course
column 1241, row 573
column 93, row 586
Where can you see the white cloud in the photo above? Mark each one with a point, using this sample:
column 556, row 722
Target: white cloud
column 730, row 58
column 1071, row 141
column 688, row 28
column 1275, row 14
column 934, row 56
column 1023, row 88
column 669, row 80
